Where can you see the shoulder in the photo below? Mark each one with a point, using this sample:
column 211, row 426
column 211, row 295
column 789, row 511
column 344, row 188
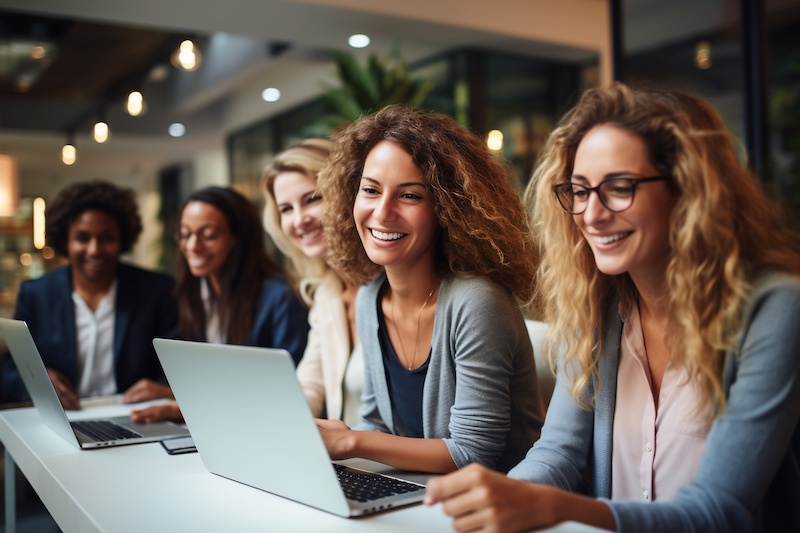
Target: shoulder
column 56, row 278
column 277, row 292
column 275, row 285
column 774, row 292
column 474, row 306
column 474, row 292
column 329, row 287
column 769, row 282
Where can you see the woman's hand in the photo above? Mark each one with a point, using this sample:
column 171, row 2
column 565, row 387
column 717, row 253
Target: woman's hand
column 338, row 438
column 157, row 413
column 480, row 499
column 146, row 389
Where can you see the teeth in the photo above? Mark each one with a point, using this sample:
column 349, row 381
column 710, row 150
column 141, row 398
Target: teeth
column 387, row 236
column 312, row 235
column 610, row 238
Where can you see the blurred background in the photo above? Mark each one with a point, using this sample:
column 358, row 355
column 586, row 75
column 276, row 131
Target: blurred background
column 258, row 75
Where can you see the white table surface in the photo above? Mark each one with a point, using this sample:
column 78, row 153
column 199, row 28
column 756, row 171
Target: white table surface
column 141, row 488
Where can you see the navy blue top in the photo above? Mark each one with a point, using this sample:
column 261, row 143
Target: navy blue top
column 281, row 320
column 405, row 386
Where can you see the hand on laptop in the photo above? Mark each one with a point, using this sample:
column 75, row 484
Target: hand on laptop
column 157, row 413
column 146, row 389
column 338, row 438
column 65, row 390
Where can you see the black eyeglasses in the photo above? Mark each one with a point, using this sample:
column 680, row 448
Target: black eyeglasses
column 207, row 235
column 616, row 194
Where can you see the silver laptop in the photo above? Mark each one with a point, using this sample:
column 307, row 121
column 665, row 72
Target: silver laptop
column 250, row 423
column 93, row 433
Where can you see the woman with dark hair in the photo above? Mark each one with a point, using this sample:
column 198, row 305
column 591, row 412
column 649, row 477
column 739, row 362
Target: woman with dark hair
column 419, row 210
column 229, row 290
column 671, row 286
column 94, row 320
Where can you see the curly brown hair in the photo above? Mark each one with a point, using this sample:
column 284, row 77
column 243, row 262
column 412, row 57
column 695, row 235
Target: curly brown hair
column 484, row 229
column 103, row 196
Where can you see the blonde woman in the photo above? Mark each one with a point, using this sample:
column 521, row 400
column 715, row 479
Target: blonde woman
column 331, row 372
column 672, row 285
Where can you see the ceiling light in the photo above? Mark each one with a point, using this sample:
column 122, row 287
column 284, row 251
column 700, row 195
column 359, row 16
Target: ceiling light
column 69, row 154
column 271, row 94
column 494, row 141
column 38, row 226
column 702, row 55
column 187, row 57
column 177, row 129
column 101, row 132
column 9, row 185
column 135, row 104
column 38, row 52
column 359, row 40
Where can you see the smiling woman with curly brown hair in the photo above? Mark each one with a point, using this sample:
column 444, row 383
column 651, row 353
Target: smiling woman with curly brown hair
column 419, row 209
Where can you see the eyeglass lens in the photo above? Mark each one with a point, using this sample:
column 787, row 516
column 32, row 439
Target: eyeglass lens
column 206, row 235
column 615, row 194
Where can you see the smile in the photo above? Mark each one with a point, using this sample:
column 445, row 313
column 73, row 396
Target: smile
column 386, row 236
column 607, row 239
column 311, row 235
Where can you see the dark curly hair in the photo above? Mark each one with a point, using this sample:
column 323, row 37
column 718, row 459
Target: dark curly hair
column 75, row 199
column 484, row 229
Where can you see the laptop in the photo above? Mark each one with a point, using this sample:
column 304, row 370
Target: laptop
column 85, row 434
column 251, row 423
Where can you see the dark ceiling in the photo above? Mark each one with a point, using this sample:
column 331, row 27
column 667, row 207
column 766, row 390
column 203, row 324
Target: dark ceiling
column 81, row 63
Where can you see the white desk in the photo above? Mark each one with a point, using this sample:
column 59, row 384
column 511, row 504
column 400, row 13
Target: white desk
column 141, row 488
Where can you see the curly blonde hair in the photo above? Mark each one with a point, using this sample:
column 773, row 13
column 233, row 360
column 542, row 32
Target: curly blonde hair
column 723, row 230
column 483, row 224
column 306, row 157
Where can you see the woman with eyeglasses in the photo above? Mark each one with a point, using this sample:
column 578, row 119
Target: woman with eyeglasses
column 671, row 287
column 228, row 289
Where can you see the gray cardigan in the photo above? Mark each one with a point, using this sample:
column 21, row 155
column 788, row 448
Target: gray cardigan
column 480, row 393
column 749, row 477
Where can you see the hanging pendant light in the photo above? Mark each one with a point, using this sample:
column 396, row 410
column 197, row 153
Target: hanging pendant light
column 9, row 185
column 187, row 57
column 68, row 152
column 100, row 132
column 135, row 105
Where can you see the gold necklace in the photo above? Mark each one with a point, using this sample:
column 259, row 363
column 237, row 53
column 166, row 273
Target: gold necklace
column 416, row 340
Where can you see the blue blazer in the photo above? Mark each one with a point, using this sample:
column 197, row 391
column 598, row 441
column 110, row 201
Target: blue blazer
column 281, row 320
column 145, row 309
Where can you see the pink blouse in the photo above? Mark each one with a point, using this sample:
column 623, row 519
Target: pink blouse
column 656, row 451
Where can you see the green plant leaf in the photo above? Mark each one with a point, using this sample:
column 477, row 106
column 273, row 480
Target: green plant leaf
column 355, row 79
column 381, row 82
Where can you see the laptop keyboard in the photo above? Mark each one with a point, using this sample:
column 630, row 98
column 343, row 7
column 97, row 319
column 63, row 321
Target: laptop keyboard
column 365, row 486
column 104, row 430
